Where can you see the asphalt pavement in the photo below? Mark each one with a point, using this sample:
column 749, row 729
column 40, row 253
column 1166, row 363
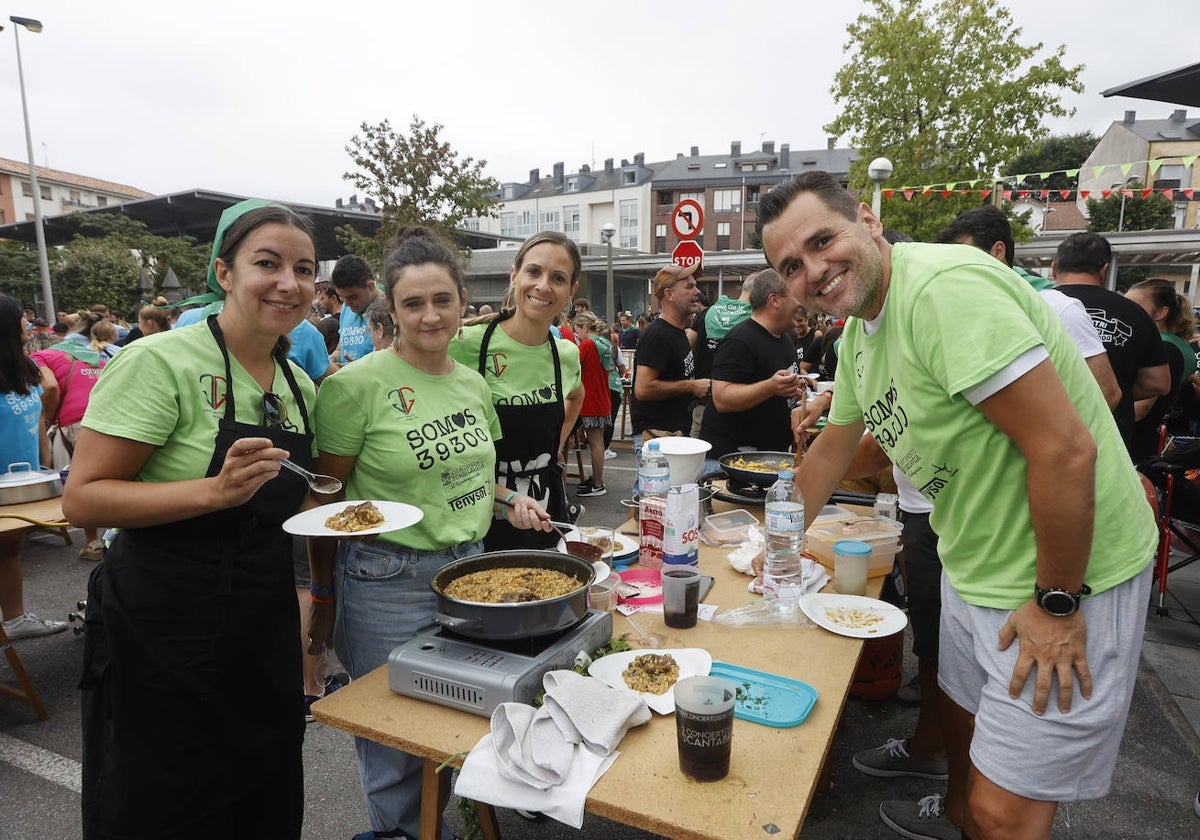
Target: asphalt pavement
column 1156, row 779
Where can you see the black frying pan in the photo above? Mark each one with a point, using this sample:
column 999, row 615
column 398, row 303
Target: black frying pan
column 762, row 479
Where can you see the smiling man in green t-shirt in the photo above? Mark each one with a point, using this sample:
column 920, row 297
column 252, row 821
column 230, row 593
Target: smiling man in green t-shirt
column 975, row 391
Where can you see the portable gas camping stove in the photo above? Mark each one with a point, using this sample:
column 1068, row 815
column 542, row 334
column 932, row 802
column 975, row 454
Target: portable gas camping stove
column 741, row 493
column 477, row 676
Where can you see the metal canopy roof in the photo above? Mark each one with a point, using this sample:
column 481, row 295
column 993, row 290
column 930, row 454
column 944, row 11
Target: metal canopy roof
column 196, row 212
column 1179, row 87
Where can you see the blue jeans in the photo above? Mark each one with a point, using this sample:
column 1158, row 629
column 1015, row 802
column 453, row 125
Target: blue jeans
column 383, row 599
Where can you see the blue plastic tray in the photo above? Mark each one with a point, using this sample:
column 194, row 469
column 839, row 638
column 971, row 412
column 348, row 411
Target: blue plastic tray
column 765, row 698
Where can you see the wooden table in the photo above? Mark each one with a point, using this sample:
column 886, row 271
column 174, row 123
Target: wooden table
column 773, row 772
column 47, row 510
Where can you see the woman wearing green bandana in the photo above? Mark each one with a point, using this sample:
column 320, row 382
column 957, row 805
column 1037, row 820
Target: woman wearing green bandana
column 192, row 711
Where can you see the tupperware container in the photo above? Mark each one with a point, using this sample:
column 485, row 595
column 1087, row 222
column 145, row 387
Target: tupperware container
column 728, row 527
column 883, row 535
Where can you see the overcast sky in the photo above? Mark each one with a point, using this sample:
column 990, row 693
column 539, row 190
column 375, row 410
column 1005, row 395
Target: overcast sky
column 259, row 97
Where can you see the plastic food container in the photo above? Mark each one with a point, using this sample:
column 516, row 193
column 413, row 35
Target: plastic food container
column 728, row 527
column 883, row 535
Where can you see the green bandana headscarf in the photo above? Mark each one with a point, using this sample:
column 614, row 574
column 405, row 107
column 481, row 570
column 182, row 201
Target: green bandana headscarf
column 214, row 298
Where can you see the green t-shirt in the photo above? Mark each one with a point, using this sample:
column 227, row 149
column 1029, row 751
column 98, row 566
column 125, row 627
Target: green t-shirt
column 1189, row 356
column 169, row 390
column 421, row 439
column 517, row 373
column 605, row 349
column 906, row 382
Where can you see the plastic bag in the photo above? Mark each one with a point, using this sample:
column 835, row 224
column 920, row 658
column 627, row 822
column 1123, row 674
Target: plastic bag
column 760, row 613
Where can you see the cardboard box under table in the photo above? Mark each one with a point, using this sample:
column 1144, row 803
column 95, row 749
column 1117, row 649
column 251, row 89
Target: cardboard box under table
column 773, row 772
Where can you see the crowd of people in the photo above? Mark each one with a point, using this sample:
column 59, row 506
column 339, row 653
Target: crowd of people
column 393, row 386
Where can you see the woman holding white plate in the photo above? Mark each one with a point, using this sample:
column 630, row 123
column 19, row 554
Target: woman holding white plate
column 410, row 425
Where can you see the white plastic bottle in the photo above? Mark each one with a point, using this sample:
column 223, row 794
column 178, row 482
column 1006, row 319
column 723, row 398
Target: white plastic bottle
column 785, row 532
column 654, row 480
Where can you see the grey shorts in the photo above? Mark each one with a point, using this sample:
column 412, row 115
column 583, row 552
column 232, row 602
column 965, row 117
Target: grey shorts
column 1055, row 757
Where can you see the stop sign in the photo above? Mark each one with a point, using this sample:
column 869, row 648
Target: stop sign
column 688, row 253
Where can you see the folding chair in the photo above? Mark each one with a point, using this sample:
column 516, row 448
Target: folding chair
column 1179, row 506
column 24, row 690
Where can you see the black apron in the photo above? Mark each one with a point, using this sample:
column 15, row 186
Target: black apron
column 192, row 686
column 527, row 457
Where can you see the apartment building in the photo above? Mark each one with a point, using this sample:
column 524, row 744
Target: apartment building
column 1163, row 155
column 61, row 192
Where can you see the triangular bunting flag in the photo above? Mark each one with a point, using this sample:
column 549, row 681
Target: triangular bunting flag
column 1044, row 175
column 908, row 194
column 974, row 183
column 1154, row 165
column 1007, row 195
column 1188, row 160
column 1105, row 193
column 947, row 193
column 1127, row 193
column 1146, row 193
column 1072, row 173
column 1169, row 193
column 1084, row 193
column 926, row 190
column 984, row 193
column 1044, row 193
column 950, row 185
column 888, row 193
column 1125, row 167
column 1189, row 192
column 1065, row 194
column 1096, row 170
column 1023, row 193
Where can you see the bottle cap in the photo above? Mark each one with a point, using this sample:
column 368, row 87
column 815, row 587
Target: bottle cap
column 852, row 548
column 786, row 474
column 652, row 446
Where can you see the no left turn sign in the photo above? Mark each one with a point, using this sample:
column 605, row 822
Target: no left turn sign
column 687, row 219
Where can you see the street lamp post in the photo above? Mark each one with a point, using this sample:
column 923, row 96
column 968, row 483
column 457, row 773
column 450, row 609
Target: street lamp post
column 878, row 171
column 606, row 233
column 47, row 293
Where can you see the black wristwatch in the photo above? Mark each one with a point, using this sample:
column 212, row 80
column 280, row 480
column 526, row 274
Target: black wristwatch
column 1059, row 602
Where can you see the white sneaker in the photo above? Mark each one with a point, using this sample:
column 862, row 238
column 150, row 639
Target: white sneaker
column 28, row 626
column 609, row 454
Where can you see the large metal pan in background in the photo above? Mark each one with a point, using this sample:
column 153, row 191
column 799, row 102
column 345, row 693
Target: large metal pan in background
column 512, row 621
column 762, row 479
column 22, row 484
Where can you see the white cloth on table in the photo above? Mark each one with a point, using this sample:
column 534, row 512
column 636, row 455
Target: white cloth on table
column 547, row 759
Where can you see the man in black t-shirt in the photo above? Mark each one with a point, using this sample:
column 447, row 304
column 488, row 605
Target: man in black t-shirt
column 663, row 382
column 1130, row 338
column 755, row 378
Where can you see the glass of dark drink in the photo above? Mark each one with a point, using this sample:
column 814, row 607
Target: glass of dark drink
column 704, row 726
column 681, row 595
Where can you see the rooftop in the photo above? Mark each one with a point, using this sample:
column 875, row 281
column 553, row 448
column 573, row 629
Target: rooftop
column 16, row 167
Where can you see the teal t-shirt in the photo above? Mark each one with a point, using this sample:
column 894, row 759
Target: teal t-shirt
column 354, row 333
column 517, row 373
column 421, row 439
column 953, row 317
column 169, row 390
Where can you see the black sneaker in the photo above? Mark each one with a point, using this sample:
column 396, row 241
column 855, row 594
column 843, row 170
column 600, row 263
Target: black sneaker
column 593, row 490
column 309, row 699
column 583, row 486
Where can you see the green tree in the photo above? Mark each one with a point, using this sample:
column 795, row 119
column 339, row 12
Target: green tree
column 1118, row 211
column 91, row 271
column 416, row 178
column 1059, row 152
column 948, row 93
column 1154, row 212
column 157, row 254
column 20, row 276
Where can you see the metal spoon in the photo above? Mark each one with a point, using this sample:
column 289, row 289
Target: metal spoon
column 324, row 484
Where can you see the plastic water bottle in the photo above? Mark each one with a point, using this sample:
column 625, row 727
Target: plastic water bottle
column 654, row 480
column 782, row 576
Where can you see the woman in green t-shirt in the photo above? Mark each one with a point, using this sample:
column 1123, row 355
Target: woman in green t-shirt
column 533, row 377
column 405, row 424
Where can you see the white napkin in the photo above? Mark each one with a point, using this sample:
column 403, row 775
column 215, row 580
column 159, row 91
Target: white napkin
column 547, row 759
column 742, row 556
column 586, row 709
column 480, row 780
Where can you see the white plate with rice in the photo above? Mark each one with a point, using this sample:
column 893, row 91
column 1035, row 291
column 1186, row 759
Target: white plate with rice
column 853, row 615
column 692, row 662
